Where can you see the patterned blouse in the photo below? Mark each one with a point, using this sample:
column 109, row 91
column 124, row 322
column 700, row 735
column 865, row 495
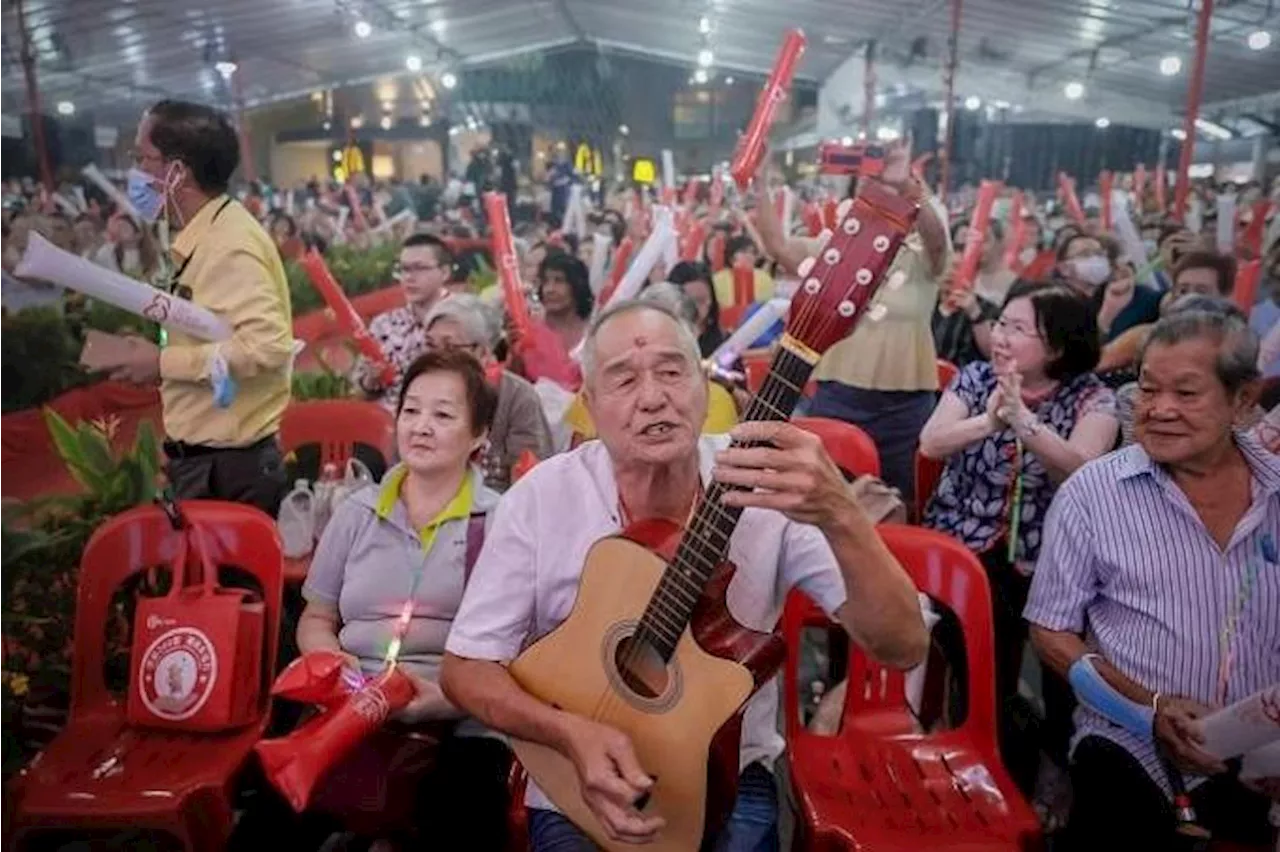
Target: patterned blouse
column 403, row 339
column 975, row 494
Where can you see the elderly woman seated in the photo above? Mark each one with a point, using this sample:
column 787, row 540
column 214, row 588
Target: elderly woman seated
column 1011, row 431
column 464, row 322
column 414, row 538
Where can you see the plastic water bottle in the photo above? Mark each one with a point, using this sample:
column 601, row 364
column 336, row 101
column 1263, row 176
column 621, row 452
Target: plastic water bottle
column 297, row 520
column 324, row 489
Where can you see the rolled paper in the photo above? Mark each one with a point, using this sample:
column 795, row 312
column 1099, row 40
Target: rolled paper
column 600, row 244
column 621, row 257
column 295, row 764
column 744, row 335
column 345, row 314
column 1139, row 188
column 1248, row 724
column 44, row 261
column 1101, row 697
column 504, row 257
column 121, row 200
column 353, row 201
column 1017, row 226
column 750, row 151
column 1067, row 189
column 979, row 224
column 651, row 252
column 695, row 234
column 1162, row 189
column 1226, row 232
column 1106, row 180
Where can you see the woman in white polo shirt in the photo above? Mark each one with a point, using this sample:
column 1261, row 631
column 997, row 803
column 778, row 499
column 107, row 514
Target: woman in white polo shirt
column 415, row 537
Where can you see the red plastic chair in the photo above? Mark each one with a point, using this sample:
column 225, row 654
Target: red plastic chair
column 102, row 774
column 946, row 372
column 337, row 425
column 927, row 474
column 850, row 448
column 879, row 784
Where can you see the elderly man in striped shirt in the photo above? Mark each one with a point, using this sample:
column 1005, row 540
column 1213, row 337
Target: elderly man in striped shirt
column 1159, row 561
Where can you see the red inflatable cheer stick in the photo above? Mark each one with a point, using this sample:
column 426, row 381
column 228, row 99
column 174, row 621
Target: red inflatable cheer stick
column 978, row 226
column 1013, row 246
column 695, row 234
column 1067, row 188
column 352, row 709
column 1162, row 190
column 345, row 315
column 1139, row 189
column 621, row 260
column 750, row 152
column 504, row 257
column 1106, row 181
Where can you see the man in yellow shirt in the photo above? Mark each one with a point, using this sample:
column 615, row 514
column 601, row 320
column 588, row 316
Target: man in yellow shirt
column 222, row 402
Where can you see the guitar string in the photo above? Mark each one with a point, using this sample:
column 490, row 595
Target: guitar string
column 631, row 656
column 778, row 388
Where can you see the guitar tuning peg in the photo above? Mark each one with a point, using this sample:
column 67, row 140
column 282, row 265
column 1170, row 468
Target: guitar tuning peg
column 843, row 209
column 896, row 280
column 806, row 266
column 877, row 312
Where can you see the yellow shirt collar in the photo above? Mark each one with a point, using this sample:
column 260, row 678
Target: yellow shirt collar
column 459, row 508
column 187, row 239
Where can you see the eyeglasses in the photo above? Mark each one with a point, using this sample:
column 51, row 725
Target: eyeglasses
column 401, row 270
column 1017, row 329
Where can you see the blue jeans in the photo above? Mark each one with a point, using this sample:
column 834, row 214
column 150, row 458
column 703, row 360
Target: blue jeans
column 752, row 827
column 893, row 419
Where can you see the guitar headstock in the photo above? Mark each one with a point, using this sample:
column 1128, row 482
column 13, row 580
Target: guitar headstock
column 837, row 286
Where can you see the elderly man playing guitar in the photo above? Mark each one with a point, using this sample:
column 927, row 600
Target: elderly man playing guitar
column 647, row 395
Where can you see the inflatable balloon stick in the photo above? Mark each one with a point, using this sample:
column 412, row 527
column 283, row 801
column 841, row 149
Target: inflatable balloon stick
column 345, row 314
column 653, row 250
column 691, row 241
column 967, row 272
column 46, row 262
column 621, row 259
column 744, row 284
column 113, row 192
column 1016, row 227
column 1106, row 181
column 351, row 708
column 504, row 257
column 716, row 197
column 750, row 152
column 1067, row 189
column 1162, row 189
column 357, row 212
column 812, row 215
column 1139, row 188
column 748, row 332
column 1257, row 225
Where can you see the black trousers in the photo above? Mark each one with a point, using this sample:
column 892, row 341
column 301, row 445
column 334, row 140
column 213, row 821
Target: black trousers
column 253, row 474
column 1116, row 805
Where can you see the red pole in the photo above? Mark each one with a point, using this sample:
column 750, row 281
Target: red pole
column 949, row 79
column 33, row 100
column 869, row 89
column 1194, row 88
column 246, row 144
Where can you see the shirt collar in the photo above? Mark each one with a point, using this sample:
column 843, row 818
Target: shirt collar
column 192, row 232
column 458, row 508
column 1263, row 465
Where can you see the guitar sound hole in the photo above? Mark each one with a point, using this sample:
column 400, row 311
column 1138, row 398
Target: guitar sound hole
column 641, row 668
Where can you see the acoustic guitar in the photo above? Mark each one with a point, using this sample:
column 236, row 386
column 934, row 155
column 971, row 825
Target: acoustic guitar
column 650, row 646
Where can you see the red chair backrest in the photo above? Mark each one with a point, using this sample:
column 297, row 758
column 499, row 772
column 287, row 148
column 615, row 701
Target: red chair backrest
column 927, row 473
column 337, row 425
column 850, row 448
column 142, row 538
column 946, row 372
column 947, row 571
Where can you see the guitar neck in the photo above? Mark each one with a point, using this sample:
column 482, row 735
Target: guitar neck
column 705, row 544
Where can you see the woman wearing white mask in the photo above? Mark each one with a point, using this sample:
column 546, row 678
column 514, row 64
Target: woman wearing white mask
column 1091, row 266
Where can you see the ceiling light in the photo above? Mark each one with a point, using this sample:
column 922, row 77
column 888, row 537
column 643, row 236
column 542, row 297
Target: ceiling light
column 1259, row 40
column 1178, row 133
column 337, row 156
column 623, row 129
column 700, row 76
column 1074, row 90
column 706, row 57
column 1001, row 104
column 973, row 102
column 413, row 62
column 425, row 121
column 387, row 106
column 385, row 124
column 328, row 125
column 884, row 133
column 357, row 121
column 439, row 25
column 846, row 141
column 1213, row 130
column 1102, row 123
column 1170, row 65
column 728, row 81
column 363, row 29
column 66, row 108
column 448, row 79
column 225, row 68
column 704, row 25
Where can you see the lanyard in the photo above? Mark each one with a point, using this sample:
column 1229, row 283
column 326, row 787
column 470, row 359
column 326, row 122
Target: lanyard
column 428, row 535
column 1231, row 624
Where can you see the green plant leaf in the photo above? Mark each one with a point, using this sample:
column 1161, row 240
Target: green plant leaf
column 67, row 443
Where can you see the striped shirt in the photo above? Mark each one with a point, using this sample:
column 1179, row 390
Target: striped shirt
column 1127, row 562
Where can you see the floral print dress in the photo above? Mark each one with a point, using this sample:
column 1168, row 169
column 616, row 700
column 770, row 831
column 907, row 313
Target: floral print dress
column 974, row 498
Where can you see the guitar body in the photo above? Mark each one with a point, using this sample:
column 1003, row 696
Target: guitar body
column 682, row 718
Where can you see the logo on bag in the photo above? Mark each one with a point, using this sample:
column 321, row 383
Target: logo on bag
column 177, row 674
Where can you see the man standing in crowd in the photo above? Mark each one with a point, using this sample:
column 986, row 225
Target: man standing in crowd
column 222, row 401
column 425, row 267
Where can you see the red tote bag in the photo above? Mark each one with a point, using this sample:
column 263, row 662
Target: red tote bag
column 197, row 651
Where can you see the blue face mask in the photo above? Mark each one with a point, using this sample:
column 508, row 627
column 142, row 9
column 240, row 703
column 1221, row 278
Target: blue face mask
column 144, row 196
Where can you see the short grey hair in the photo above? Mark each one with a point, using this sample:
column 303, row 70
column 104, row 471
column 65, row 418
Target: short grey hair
column 688, row 342
column 476, row 318
column 675, row 298
column 1195, row 317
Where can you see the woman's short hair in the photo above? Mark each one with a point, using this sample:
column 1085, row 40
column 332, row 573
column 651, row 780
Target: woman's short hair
column 482, row 399
column 470, row 312
column 1222, row 265
column 1198, row 317
column 1067, row 323
column 576, row 273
